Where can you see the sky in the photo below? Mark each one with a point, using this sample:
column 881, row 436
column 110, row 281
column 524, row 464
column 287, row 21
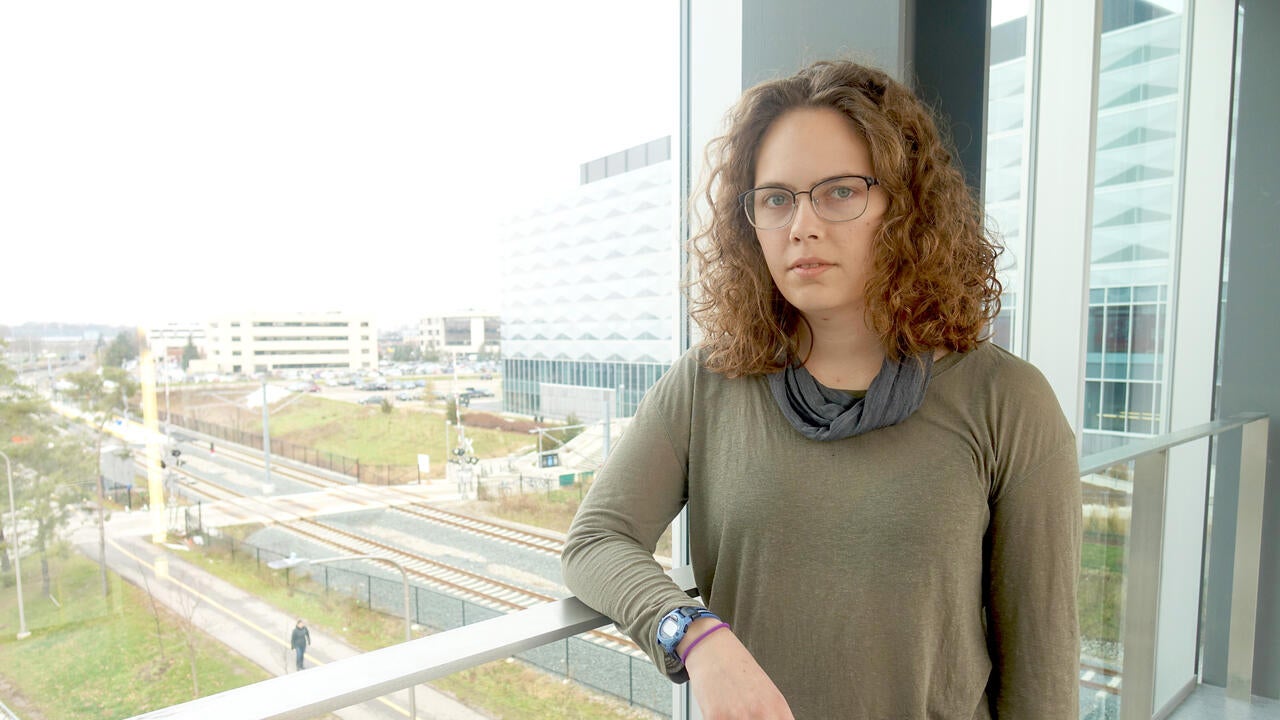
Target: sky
column 173, row 161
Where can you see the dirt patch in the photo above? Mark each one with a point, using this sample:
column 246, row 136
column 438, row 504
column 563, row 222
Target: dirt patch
column 17, row 702
column 489, row 421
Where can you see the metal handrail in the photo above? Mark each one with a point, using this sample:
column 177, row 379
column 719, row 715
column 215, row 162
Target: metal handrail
column 380, row 672
column 376, row 673
column 1100, row 461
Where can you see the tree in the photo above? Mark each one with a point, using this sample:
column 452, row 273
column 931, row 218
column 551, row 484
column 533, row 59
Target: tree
column 98, row 394
column 50, row 468
column 404, row 353
column 123, row 348
column 58, row 474
column 189, row 353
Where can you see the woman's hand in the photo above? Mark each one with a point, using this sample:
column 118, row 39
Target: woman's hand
column 727, row 682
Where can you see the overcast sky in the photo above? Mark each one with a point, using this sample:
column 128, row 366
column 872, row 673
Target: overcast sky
column 173, row 160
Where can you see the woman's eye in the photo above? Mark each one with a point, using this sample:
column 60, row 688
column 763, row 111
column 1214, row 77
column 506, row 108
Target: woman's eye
column 842, row 192
column 776, row 200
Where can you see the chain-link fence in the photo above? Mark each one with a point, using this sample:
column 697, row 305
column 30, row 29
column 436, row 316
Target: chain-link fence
column 370, row 473
column 630, row 678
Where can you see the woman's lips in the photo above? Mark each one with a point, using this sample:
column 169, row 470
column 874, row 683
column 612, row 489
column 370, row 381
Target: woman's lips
column 810, row 268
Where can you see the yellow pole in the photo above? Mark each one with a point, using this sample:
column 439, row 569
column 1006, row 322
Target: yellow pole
column 151, row 431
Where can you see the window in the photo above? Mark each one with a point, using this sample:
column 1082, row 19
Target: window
column 1140, row 90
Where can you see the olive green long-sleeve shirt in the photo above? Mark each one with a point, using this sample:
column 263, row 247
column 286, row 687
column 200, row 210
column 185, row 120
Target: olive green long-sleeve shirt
column 924, row 570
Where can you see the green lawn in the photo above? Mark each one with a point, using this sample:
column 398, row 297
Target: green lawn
column 1101, row 591
column 100, row 658
column 367, row 433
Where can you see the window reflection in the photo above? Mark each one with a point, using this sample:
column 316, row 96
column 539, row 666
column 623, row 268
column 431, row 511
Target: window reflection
column 1135, row 202
column 1005, row 177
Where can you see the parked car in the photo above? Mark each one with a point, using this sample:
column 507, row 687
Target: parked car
column 372, row 400
column 408, row 395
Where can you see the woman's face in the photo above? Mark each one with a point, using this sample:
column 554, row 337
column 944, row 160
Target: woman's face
column 821, row 267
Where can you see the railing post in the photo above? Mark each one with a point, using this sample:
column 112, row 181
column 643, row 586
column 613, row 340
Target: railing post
column 1142, row 587
column 1248, row 559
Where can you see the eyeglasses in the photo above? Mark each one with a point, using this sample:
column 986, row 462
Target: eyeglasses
column 839, row 199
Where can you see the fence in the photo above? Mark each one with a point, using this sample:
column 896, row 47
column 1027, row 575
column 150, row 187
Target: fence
column 601, row 668
column 370, row 473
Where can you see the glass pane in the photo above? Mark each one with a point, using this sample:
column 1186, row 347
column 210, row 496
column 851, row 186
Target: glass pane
column 1114, row 406
column 1108, row 504
column 261, row 190
column 1005, row 175
column 1093, row 405
column 1140, row 87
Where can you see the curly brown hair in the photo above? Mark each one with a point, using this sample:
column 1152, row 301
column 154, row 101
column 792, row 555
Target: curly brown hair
column 933, row 282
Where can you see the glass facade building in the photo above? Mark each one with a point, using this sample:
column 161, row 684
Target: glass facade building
column 1135, row 202
column 591, row 289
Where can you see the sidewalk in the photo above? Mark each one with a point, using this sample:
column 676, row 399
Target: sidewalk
column 251, row 627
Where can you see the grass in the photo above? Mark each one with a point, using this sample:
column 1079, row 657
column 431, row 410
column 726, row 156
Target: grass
column 367, row 433
column 502, row 689
column 98, row 657
column 1102, row 556
column 1101, row 596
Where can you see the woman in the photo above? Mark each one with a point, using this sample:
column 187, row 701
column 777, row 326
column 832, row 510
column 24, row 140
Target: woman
column 884, row 508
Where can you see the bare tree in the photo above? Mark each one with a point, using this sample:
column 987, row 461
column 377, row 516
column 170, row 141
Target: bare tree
column 188, row 604
column 155, row 610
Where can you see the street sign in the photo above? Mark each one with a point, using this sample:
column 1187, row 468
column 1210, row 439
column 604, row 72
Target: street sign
column 424, row 463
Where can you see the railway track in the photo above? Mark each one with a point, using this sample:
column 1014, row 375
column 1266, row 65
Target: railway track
column 455, row 581
column 547, row 543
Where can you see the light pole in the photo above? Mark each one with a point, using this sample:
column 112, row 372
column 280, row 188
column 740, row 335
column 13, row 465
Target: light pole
column 294, row 561
column 266, row 430
column 17, row 551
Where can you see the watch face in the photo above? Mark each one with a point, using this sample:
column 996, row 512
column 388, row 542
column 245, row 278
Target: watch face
column 667, row 628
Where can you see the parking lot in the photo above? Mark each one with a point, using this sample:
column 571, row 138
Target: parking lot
column 435, row 384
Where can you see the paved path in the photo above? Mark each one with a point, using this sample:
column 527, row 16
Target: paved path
column 248, row 625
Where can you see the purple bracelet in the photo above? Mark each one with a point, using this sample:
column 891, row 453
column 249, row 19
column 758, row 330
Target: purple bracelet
column 700, row 638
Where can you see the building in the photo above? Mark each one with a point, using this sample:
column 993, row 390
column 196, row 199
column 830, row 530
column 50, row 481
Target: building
column 591, row 285
column 260, row 342
column 1135, row 193
column 168, row 341
column 465, row 333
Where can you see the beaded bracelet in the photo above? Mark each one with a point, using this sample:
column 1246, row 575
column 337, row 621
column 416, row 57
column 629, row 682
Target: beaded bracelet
column 685, row 655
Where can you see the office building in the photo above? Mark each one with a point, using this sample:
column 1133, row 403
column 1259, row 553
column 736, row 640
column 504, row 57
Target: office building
column 261, row 342
column 467, row 333
column 591, row 286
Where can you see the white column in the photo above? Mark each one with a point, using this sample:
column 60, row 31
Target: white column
column 1203, row 175
column 1061, row 207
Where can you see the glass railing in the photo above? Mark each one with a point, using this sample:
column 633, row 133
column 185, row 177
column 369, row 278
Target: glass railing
column 1120, row 594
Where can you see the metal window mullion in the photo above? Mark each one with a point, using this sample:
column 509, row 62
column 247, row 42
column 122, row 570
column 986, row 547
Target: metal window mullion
column 1142, row 586
column 1061, row 197
column 1248, row 559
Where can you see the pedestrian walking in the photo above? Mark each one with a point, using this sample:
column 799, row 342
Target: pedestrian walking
column 301, row 639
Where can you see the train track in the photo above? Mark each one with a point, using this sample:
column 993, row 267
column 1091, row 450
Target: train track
column 455, row 581
column 546, row 544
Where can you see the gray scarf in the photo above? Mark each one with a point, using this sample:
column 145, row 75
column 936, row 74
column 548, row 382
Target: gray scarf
column 821, row 413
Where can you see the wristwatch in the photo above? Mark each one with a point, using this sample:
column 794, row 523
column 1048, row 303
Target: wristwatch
column 673, row 625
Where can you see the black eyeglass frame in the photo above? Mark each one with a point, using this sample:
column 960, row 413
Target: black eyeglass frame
column 795, row 199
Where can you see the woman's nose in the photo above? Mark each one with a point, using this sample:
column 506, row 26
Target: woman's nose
column 806, row 223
